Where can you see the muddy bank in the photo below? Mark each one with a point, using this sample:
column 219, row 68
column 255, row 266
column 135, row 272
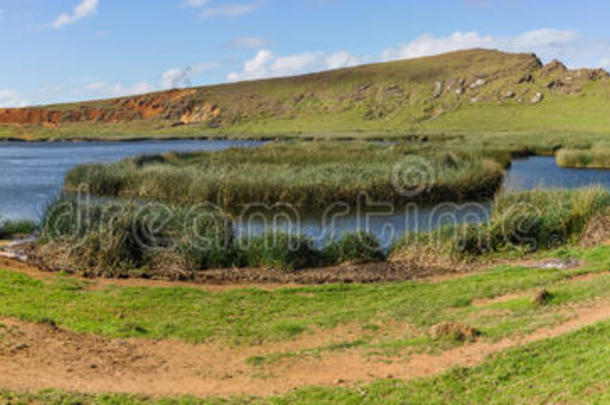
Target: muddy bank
column 386, row 271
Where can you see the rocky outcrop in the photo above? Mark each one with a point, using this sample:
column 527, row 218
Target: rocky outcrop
column 554, row 66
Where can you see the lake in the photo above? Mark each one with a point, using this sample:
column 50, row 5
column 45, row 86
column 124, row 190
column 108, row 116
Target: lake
column 33, row 174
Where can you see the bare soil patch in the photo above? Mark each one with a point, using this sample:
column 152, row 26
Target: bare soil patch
column 36, row 356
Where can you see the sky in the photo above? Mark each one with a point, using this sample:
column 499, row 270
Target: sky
column 71, row 50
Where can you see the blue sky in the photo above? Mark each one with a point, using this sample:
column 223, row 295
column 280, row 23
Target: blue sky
column 66, row 50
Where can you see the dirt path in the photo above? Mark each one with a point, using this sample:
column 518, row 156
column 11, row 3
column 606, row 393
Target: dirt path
column 36, row 356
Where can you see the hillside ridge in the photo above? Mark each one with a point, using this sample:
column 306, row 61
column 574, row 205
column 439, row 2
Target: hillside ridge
column 382, row 96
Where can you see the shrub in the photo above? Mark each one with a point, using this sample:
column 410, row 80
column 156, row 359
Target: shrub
column 10, row 229
column 115, row 236
column 358, row 247
column 280, row 250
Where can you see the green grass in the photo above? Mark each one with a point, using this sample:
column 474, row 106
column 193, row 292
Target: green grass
column 251, row 316
column 314, row 174
column 567, row 369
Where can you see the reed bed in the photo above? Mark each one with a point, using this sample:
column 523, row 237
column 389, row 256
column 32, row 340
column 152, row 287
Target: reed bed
column 15, row 228
column 313, row 174
column 125, row 238
column 521, row 222
column 595, row 158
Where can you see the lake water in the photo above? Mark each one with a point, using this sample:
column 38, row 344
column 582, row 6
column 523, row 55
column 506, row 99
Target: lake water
column 541, row 171
column 32, row 174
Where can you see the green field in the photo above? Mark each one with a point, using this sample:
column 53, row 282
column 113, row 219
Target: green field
column 564, row 369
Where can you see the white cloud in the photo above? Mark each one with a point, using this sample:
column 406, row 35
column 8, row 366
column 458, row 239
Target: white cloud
column 83, row 9
column 10, row 98
column 545, row 42
column 548, row 44
column 230, row 10
column 249, row 43
column 266, row 64
column 342, row 59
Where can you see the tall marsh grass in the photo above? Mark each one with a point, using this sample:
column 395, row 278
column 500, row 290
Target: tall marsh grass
column 313, row 174
column 596, row 158
column 120, row 238
column 13, row 228
column 525, row 221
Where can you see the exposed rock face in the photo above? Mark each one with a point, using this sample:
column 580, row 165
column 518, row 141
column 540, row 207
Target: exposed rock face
column 205, row 112
column 591, row 74
column 554, row 66
column 170, row 104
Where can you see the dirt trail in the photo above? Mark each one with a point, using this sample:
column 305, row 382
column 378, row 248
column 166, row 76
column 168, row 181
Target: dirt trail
column 36, row 356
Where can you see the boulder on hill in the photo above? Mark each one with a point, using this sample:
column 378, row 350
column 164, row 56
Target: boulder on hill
column 478, row 83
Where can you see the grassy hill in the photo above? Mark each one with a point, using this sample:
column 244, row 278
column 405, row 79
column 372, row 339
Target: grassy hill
column 466, row 92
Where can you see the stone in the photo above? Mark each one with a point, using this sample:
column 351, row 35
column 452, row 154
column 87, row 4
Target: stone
column 538, row 97
column 528, row 78
column 510, row 94
column 478, row 83
column 438, row 89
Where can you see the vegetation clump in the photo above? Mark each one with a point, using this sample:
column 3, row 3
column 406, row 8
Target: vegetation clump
column 595, row 158
column 127, row 239
column 454, row 331
column 542, row 297
column 306, row 174
column 521, row 222
column 356, row 247
column 10, row 229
